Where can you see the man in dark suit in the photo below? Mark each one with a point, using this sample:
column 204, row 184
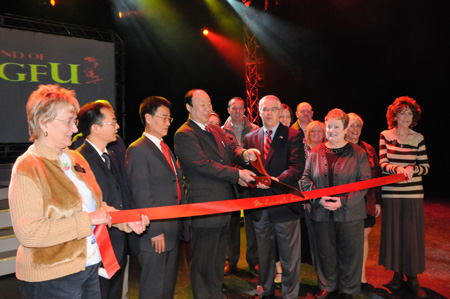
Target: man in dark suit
column 155, row 181
column 284, row 160
column 98, row 123
column 206, row 157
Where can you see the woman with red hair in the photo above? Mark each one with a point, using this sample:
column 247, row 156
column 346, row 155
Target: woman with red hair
column 402, row 150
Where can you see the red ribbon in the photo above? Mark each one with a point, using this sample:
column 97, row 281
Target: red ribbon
column 217, row 207
column 106, row 251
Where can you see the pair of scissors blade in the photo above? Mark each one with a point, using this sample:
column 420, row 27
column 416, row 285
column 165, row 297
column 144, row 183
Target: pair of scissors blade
column 266, row 180
column 286, row 188
column 262, row 176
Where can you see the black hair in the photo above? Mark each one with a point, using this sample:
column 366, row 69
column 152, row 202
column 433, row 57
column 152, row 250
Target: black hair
column 91, row 114
column 150, row 105
column 188, row 97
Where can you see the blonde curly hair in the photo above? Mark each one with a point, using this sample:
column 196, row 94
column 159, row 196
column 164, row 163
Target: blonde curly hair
column 44, row 103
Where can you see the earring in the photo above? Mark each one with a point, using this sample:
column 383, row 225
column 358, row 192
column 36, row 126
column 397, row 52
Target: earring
column 45, row 134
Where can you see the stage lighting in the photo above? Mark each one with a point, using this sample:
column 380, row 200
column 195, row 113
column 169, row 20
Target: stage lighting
column 260, row 4
column 205, row 32
column 52, row 2
column 120, row 15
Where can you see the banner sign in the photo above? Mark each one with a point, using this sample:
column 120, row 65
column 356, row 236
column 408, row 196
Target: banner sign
column 29, row 59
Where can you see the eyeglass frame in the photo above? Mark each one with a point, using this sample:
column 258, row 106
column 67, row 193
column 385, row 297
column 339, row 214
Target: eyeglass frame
column 273, row 109
column 113, row 123
column 166, row 118
column 69, row 122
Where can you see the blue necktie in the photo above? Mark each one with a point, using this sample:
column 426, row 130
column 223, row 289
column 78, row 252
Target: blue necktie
column 107, row 160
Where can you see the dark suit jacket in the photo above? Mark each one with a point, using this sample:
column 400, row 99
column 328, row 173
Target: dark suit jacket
column 207, row 168
column 117, row 147
column 114, row 189
column 154, row 184
column 285, row 161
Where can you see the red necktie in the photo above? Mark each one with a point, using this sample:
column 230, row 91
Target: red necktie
column 207, row 129
column 267, row 143
column 165, row 151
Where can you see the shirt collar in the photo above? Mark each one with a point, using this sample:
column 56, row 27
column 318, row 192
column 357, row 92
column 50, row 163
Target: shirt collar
column 96, row 148
column 153, row 139
column 202, row 126
column 274, row 130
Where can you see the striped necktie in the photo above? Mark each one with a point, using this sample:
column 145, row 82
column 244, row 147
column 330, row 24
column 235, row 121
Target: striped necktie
column 107, row 160
column 267, row 143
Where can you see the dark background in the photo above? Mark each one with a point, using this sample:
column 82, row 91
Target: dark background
column 357, row 55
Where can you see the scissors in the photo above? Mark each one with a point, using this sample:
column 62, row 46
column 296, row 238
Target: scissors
column 264, row 178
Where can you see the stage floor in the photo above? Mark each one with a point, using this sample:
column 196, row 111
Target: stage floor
column 435, row 280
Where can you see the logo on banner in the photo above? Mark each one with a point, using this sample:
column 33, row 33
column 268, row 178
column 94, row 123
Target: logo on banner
column 61, row 73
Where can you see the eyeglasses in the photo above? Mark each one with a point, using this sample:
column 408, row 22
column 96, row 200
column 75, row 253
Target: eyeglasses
column 114, row 122
column 273, row 109
column 166, row 118
column 69, row 122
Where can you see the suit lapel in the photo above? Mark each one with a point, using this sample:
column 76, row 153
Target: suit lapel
column 203, row 135
column 114, row 167
column 93, row 157
column 277, row 140
column 220, row 143
column 259, row 143
column 157, row 153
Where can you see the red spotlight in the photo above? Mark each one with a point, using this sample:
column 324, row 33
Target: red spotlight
column 52, row 2
column 205, row 32
column 229, row 49
column 247, row 2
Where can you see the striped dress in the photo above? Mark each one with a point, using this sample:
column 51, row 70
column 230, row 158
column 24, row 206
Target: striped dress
column 402, row 244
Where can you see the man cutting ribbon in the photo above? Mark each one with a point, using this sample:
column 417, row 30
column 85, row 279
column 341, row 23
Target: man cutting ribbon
column 206, row 158
column 284, row 161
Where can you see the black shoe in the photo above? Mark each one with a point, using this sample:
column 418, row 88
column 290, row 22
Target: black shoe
column 224, row 288
column 413, row 285
column 325, row 295
column 346, row 296
column 395, row 283
column 366, row 286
